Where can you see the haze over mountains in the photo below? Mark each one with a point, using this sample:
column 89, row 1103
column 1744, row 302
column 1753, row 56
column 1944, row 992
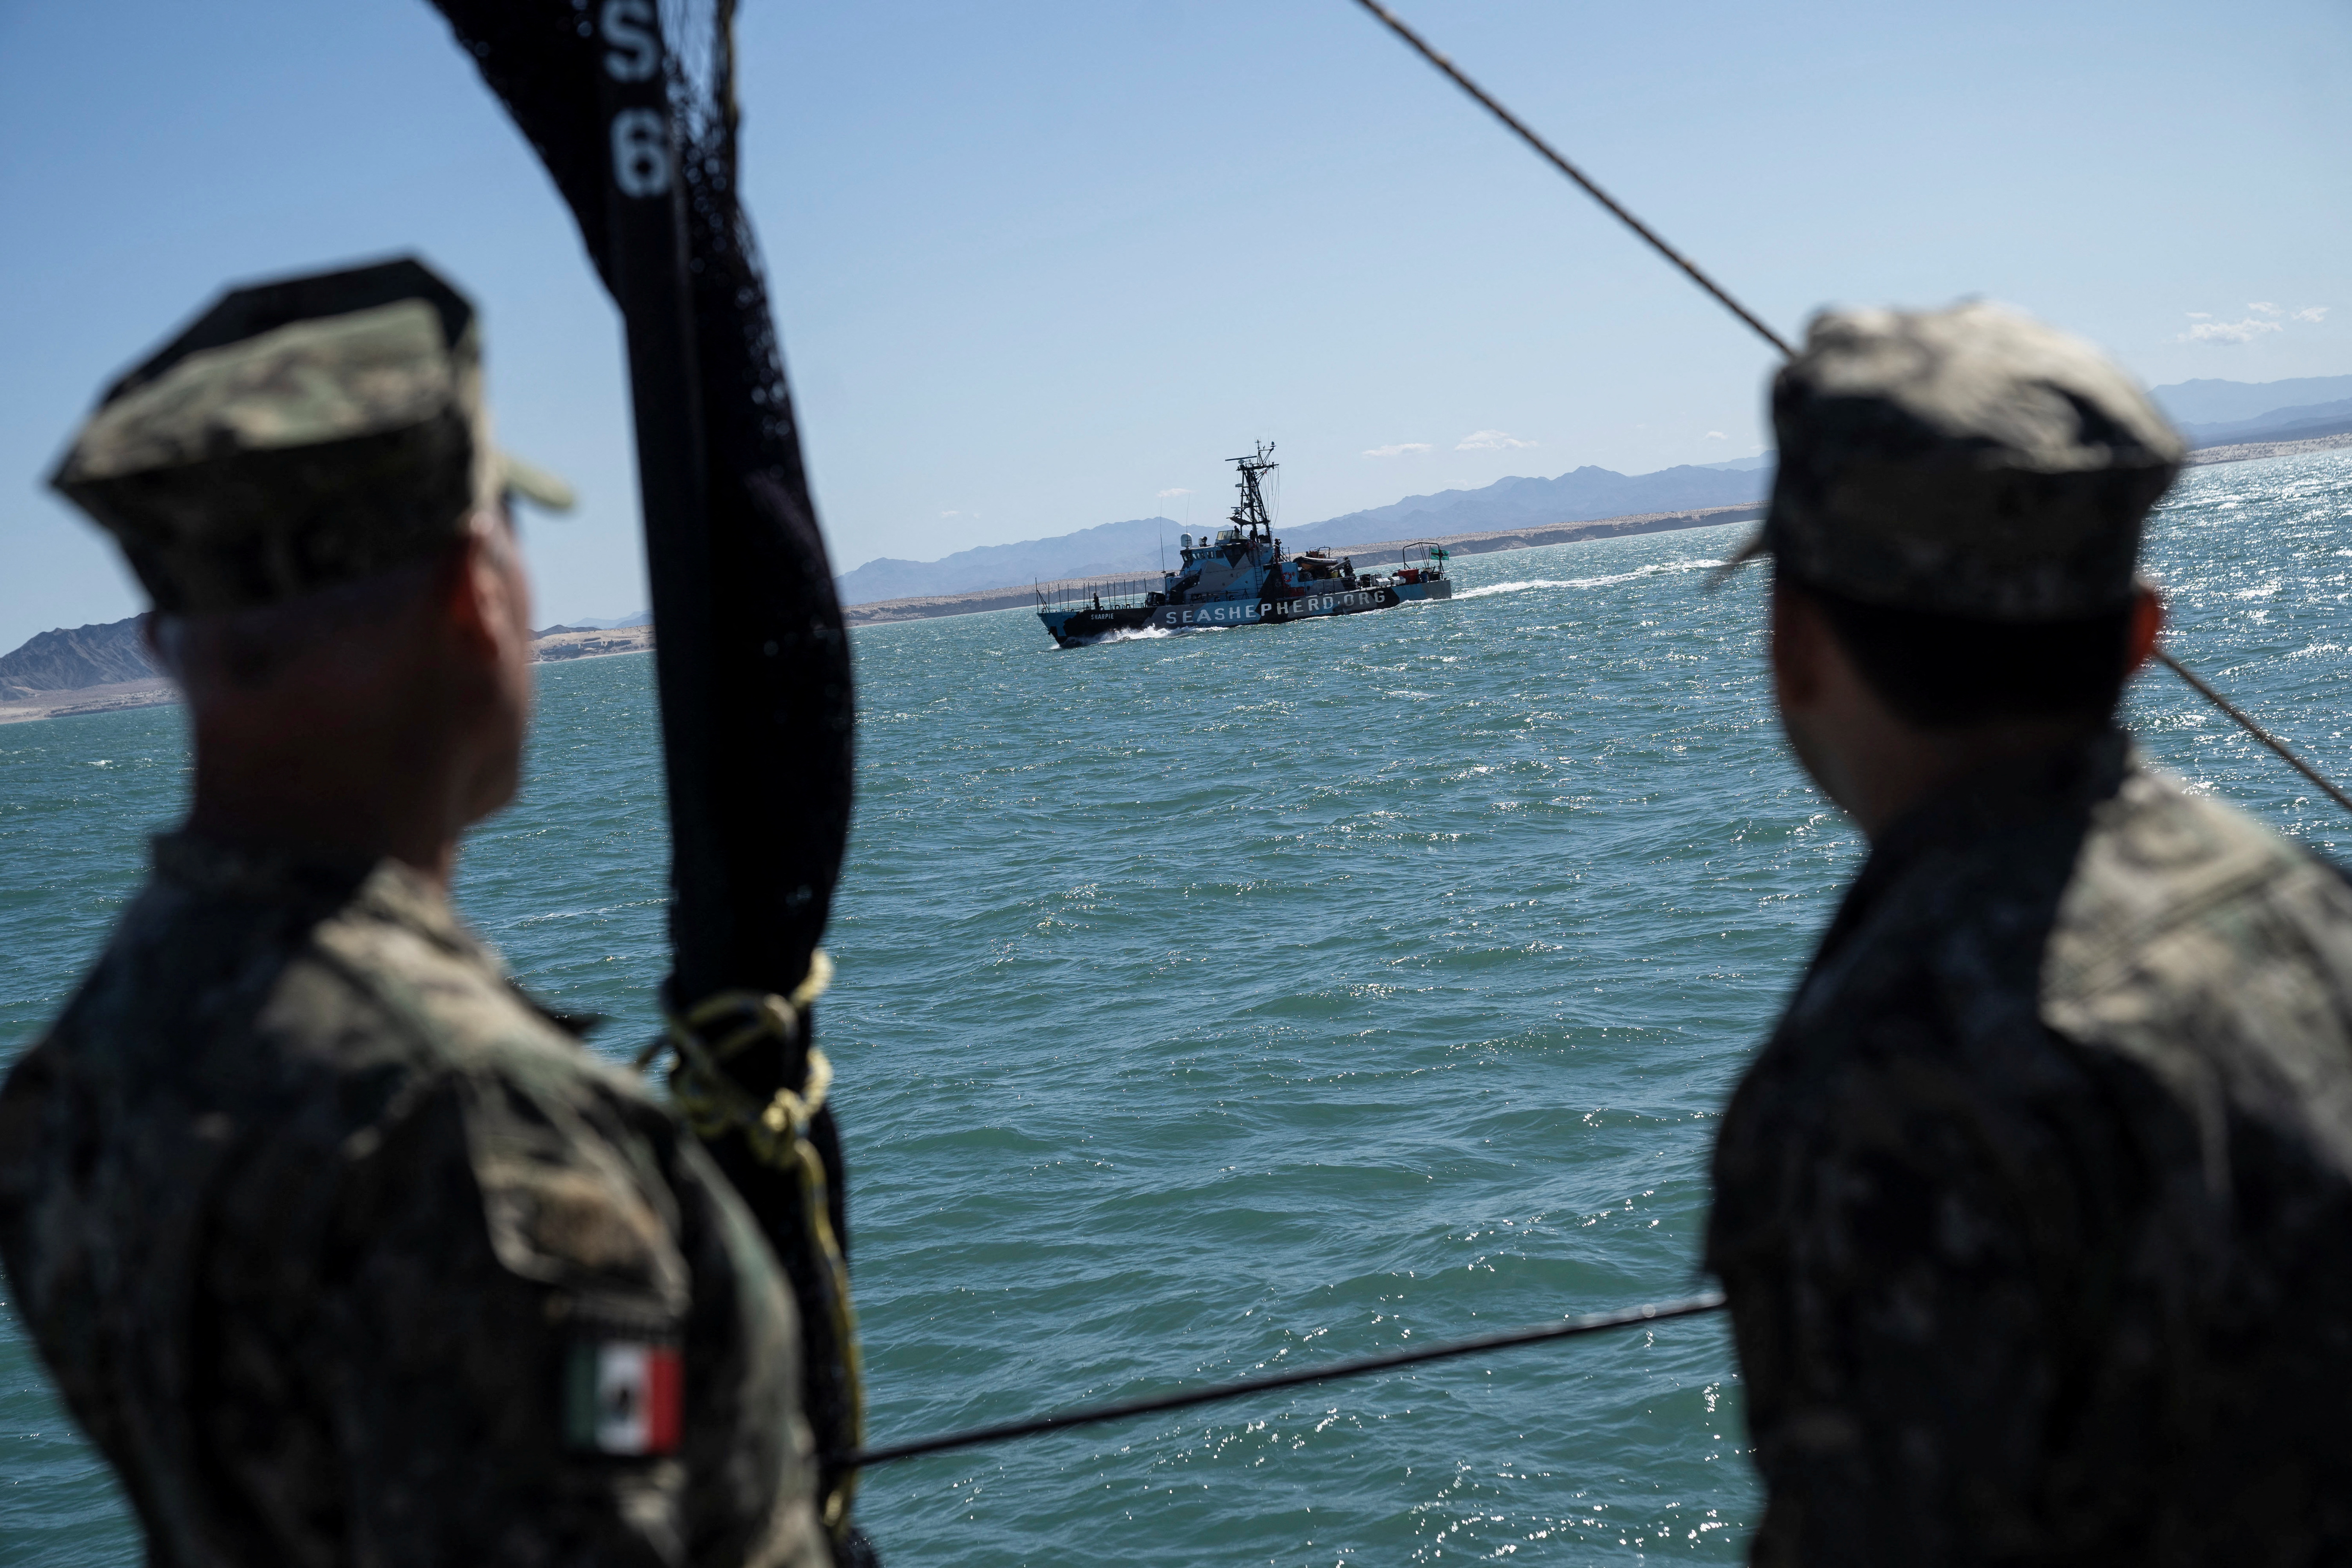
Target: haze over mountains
column 1130, row 546
column 2302, row 422
column 2206, row 402
column 1584, row 495
column 1136, row 545
column 2210, row 412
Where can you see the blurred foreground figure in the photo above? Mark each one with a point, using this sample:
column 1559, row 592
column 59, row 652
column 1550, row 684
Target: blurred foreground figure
column 341, row 1250
column 2036, row 1212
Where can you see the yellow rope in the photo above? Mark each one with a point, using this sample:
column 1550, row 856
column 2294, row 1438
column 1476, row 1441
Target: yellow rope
column 714, row 1105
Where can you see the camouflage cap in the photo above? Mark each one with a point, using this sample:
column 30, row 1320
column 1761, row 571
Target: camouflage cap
column 1967, row 462
column 299, row 434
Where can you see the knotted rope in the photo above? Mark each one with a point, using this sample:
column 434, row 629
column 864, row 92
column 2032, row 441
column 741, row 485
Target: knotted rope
column 713, row 1105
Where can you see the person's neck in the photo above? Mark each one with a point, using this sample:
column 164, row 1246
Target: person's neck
column 1886, row 780
column 329, row 801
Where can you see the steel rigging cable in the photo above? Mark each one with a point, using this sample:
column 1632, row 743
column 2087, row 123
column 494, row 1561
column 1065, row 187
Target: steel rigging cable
column 1690, row 1307
column 1518, row 127
column 1087, row 1415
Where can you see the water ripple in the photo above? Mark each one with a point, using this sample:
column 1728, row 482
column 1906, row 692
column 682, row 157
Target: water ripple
column 1209, row 1002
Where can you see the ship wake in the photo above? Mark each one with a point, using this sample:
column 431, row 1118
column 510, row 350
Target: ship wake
column 1655, row 569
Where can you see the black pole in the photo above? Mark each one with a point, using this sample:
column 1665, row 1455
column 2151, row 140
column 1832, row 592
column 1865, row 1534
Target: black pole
column 749, row 665
column 639, row 131
column 644, row 204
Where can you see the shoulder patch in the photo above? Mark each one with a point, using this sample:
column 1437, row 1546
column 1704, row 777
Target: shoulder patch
column 623, row 1395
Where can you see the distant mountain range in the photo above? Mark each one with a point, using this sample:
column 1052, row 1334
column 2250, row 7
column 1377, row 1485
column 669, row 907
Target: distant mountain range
column 2205, row 402
column 1136, row 545
column 1130, row 546
column 2210, row 412
column 65, row 660
column 2302, row 422
column 1585, row 495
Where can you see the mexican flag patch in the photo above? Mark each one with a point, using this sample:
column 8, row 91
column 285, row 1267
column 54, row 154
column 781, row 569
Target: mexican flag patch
column 624, row 1396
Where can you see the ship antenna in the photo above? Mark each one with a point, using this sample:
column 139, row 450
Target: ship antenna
column 1249, row 514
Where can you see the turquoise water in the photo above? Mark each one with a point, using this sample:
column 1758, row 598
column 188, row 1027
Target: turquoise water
column 1219, row 1002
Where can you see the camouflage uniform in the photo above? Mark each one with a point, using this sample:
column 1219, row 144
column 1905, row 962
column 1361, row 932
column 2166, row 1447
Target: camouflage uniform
column 316, row 1219
column 2035, row 1213
column 341, row 1250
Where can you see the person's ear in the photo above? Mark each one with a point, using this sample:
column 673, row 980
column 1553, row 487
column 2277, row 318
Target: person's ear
column 2147, row 621
column 476, row 594
column 1794, row 646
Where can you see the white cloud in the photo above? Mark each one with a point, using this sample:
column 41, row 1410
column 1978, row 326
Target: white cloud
column 951, row 514
column 2201, row 315
column 1717, row 435
column 2312, row 313
column 1165, row 494
column 1398, row 450
column 2264, row 305
column 2243, row 331
column 1489, row 441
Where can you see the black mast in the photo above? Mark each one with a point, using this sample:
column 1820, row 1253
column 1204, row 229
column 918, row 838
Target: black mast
column 1249, row 515
column 636, row 122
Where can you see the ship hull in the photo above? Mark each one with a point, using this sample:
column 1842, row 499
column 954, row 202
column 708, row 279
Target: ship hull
column 1075, row 629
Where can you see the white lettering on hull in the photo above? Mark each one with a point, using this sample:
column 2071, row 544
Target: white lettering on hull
column 1231, row 614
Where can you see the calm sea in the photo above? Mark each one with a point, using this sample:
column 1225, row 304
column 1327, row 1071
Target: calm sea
column 1226, row 1001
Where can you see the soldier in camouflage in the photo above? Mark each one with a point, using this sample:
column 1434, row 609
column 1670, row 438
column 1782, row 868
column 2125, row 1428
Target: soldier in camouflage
column 2035, row 1213
column 341, row 1249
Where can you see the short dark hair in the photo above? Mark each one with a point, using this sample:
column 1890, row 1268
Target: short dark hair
column 1942, row 672
column 249, row 650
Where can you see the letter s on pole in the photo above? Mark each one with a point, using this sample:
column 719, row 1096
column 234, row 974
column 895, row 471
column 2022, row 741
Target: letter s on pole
column 628, row 25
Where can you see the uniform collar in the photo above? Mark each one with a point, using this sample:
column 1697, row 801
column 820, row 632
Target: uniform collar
column 2068, row 780
column 325, row 882
column 273, row 875
column 1959, row 822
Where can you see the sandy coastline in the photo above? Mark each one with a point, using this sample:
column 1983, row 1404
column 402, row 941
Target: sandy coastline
column 564, row 645
column 2251, row 451
column 149, row 693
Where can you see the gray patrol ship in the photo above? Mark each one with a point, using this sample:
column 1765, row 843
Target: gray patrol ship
column 1242, row 578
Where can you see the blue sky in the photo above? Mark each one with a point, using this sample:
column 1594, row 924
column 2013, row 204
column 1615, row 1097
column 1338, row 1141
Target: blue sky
column 1037, row 264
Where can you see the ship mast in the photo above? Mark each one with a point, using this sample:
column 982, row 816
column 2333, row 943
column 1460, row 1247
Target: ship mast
column 1249, row 515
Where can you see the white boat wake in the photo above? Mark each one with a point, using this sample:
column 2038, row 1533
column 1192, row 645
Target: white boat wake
column 1655, row 569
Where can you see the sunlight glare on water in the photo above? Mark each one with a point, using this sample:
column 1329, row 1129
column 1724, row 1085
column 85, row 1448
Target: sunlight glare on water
column 1221, row 1002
